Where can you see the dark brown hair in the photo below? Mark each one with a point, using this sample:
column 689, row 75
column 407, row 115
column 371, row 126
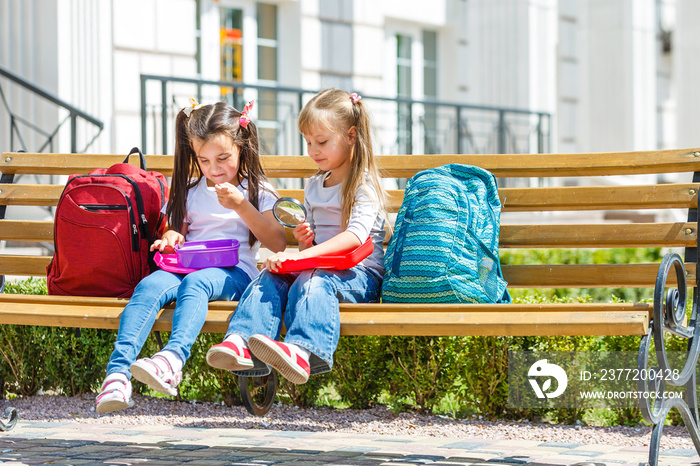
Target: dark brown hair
column 203, row 124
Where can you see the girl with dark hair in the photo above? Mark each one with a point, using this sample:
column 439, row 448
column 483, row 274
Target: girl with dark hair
column 218, row 191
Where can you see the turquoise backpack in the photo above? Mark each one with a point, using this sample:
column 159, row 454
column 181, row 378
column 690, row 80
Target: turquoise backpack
column 445, row 243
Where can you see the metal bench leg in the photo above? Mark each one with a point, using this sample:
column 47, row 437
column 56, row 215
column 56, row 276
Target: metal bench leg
column 258, row 393
column 10, row 413
column 669, row 317
column 12, row 417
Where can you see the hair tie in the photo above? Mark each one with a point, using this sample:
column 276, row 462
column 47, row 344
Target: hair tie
column 355, row 98
column 194, row 105
column 245, row 119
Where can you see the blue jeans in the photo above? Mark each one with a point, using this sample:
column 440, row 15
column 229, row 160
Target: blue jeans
column 192, row 292
column 309, row 300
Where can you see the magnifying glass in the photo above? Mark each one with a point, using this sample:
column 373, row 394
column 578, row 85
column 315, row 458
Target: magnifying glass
column 289, row 212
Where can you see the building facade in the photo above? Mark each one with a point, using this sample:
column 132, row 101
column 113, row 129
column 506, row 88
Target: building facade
column 612, row 75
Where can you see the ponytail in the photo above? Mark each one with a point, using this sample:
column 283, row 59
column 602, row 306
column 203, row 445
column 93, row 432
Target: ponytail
column 202, row 122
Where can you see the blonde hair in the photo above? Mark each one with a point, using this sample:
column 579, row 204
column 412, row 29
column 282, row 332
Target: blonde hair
column 337, row 111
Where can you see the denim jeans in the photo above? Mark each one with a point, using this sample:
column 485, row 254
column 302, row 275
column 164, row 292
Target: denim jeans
column 192, row 292
column 309, row 300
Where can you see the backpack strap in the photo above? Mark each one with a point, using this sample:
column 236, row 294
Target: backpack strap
column 141, row 157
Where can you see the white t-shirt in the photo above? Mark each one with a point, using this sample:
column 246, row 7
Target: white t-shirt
column 323, row 207
column 209, row 220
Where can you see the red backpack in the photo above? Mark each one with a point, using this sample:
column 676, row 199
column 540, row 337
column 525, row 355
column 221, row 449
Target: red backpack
column 104, row 225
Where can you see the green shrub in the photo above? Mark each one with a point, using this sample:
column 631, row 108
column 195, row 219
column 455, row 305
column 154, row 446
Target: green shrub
column 359, row 371
column 305, row 395
column 423, row 369
column 76, row 361
column 24, row 352
column 202, row 382
column 461, row 376
column 71, row 361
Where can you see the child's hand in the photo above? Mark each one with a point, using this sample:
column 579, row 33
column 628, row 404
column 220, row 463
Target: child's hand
column 229, row 196
column 304, row 234
column 168, row 241
column 273, row 262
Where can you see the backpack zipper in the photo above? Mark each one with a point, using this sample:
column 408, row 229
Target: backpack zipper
column 160, row 212
column 99, row 207
column 139, row 199
column 130, row 209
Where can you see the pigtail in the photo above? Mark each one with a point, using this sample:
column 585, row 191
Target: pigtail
column 362, row 163
column 202, row 122
column 185, row 169
column 339, row 111
column 250, row 166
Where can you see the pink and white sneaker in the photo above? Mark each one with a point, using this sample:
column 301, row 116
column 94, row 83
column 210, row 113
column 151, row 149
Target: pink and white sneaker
column 281, row 356
column 229, row 357
column 115, row 394
column 157, row 373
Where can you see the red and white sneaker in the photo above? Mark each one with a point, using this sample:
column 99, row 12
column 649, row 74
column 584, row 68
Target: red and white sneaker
column 229, row 357
column 281, row 356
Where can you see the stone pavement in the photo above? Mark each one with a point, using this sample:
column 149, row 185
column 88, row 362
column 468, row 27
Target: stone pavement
column 34, row 442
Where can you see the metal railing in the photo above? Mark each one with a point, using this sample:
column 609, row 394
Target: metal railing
column 46, row 138
column 401, row 125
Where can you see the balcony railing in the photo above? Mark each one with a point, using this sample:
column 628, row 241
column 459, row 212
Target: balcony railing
column 401, row 125
column 23, row 132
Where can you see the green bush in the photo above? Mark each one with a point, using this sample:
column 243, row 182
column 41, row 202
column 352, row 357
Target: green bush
column 359, row 371
column 24, row 352
column 203, row 382
column 305, row 395
column 71, row 361
column 460, row 376
column 422, row 369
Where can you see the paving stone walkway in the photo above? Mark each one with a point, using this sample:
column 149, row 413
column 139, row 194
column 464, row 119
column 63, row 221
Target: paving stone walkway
column 31, row 443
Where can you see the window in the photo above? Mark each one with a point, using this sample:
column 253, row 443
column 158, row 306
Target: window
column 231, row 33
column 336, row 43
column 431, row 139
column 403, row 89
column 417, row 77
column 267, row 72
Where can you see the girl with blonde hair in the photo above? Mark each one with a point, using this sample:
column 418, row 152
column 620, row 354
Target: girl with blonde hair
column 345, row 206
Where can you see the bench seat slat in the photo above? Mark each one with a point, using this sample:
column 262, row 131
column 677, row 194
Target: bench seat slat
column 364, row 319
column 494, row 323
column 517, row 276
column 502, row 165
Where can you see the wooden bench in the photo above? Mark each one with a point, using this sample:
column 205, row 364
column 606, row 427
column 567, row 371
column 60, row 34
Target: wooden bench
column 530, row 220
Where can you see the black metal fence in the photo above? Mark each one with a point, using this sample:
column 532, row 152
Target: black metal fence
column 401, row 125
column 22, row 130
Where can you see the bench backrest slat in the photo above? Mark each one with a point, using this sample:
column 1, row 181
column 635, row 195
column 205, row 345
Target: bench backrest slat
column 680, row 234
column 517, row 276
column 661, row 196
column 530, row 205
column 395, row 166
